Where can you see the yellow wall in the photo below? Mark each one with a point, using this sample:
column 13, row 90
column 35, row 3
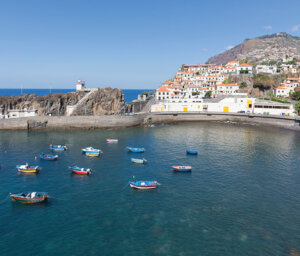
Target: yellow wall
column 161, row 109
column 185, row 109
column 249, row 102
column 225, row 109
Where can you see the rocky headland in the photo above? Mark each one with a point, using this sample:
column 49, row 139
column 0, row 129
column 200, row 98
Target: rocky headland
column 106, row 101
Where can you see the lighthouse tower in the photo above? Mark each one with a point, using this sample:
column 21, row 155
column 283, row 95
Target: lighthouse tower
column 80, row 86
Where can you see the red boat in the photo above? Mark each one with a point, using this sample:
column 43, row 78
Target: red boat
column 81, row 171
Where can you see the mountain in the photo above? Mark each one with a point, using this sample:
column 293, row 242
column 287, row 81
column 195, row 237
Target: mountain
column 275, row 47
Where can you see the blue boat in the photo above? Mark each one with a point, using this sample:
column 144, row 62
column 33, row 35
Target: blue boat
column 144, row 184
column 48, row 157
column 91, row 150
column 179, row 168
column 58, row 147
column 192, row 152
column 81, row 171
column 135, row 150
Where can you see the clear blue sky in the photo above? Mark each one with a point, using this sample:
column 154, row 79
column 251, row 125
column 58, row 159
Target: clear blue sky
column 125, row 44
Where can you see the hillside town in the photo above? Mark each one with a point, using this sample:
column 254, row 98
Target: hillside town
column 207, row 87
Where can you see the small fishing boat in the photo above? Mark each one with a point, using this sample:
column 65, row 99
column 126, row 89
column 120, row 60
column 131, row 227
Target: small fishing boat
column 29, row 198
column 192, row 152
column 144, row 184
column 48, row 157
column 135, row 150
column 91, row 150
column 112, row 140
column 95, row 154
column 28, row 168
column 179, row 168
column 58, row 147
column 81, row 171
column 139, row 161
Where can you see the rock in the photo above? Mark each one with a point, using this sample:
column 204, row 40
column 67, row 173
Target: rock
column 105, row 101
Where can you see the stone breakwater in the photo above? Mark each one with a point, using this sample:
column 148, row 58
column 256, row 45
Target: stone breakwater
column 120, row 121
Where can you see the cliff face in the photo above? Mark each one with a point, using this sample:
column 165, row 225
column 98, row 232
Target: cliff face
column 105, row 101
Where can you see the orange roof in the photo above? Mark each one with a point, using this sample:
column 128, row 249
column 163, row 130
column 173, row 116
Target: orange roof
column 293, row 79
column 188, row 81
column 162, row 89
column 245, row 65
column 281, row 87
column 167, row 82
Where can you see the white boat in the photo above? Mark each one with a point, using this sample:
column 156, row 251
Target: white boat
column 91, row 150
column 139, row 161
column 112, row 140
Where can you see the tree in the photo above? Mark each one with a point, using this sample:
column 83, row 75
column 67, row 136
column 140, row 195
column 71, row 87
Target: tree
column 297, row 107
column 295, row 95
column 195, row 93
column 263, row 82
column 243, row 84
column 208, row 94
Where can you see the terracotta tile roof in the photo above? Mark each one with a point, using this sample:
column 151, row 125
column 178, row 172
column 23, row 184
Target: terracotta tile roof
column 245, row 65
column 281, row 87
column 162, row 89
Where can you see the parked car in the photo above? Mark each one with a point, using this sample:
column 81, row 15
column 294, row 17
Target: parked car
column 242, row 111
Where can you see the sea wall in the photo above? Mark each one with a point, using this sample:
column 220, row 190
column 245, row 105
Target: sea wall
column 119, row 121
column 71, row 122
column 287, row 122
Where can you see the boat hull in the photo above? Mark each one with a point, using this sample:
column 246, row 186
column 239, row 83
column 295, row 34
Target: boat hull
column 27, row 171
column 29, row 200
column 58, row 148
column 182, row 169
column 138, row 161
column 191, row 152
column 111, row 140
column 92, row 154
column 81, row 172
column 142, row 187
column 135, row 150
column 49, row 158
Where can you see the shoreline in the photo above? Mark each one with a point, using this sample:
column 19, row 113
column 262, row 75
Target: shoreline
column 121, row 121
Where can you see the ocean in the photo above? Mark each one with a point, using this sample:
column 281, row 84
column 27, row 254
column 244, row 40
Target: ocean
column 129, row 94
column 241, row 198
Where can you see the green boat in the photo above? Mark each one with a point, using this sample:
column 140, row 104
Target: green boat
column 139, row 161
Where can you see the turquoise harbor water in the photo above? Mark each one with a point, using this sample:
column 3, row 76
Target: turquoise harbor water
column 242, row 197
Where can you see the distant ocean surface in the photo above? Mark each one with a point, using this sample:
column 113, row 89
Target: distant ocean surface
column 129, row 94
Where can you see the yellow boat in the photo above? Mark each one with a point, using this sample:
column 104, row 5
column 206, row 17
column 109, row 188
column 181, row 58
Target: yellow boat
column 92, row 154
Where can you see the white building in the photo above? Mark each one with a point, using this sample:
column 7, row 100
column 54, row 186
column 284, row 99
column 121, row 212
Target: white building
column 228, row 104
column 227, row 89
column 289, row 85
column 80, row 86
column 267, row 69
column 17, row 113
column 244, row 68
